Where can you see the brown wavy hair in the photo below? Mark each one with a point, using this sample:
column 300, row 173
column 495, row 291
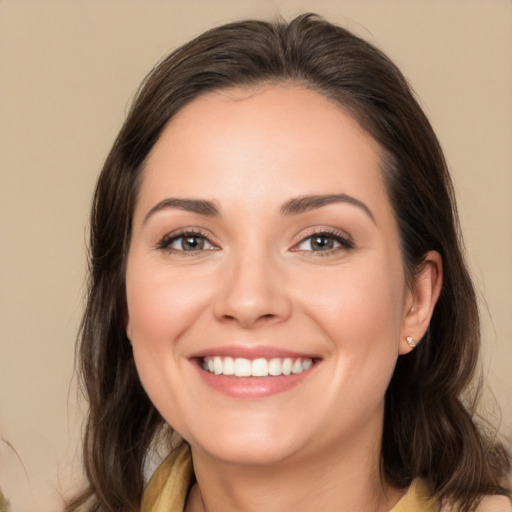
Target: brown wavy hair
column 429, row 425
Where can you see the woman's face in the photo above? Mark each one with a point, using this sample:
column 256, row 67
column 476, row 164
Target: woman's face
column 264, row 245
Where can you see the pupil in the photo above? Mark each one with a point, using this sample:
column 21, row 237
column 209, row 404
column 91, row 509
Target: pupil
column 322, row 242
column 192, row 243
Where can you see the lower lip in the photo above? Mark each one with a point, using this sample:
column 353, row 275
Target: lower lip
column 252, row 387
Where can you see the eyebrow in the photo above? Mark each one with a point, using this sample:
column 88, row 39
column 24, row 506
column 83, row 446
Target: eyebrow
column 292, row 207
column 306, row 203
column 200, row 206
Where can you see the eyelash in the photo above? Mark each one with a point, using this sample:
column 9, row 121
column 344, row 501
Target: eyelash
column 168, row 240
column 344, row 241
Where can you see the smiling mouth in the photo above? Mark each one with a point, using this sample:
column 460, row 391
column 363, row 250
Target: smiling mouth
column 260, row 367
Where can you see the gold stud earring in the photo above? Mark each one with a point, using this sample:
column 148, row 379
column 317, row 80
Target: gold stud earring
column 410, row 341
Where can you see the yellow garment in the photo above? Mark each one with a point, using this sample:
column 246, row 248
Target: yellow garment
column 4, row 504
column 168, row 488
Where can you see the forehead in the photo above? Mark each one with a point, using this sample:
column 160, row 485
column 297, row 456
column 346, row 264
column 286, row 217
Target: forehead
column 285, row 111
column 245, row 138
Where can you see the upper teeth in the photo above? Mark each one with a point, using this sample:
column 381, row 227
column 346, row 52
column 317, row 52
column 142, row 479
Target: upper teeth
column 241, row 367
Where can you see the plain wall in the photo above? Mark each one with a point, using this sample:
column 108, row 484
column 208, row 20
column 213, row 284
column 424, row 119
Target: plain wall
column 68, row 71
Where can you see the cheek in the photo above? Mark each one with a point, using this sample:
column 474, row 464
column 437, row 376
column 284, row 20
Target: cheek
column 360, row 311
column 161, row 305
column 357, row 303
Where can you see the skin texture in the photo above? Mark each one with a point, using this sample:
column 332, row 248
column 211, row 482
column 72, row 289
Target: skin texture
column 256, row 283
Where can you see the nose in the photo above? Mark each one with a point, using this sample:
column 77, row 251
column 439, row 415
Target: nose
column 252, row 293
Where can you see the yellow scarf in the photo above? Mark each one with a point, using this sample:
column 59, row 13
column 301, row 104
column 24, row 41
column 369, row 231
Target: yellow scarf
column 168, row 488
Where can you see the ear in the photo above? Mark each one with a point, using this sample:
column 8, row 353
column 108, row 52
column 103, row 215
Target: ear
column 420, row 301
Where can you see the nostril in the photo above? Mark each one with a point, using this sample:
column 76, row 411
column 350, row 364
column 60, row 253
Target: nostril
column 249, row 305
column 249, row 319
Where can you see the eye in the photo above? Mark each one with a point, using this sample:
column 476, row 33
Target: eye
column 324, row 242
column 186, row 242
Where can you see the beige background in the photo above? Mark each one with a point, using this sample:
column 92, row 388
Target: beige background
column 67, row 73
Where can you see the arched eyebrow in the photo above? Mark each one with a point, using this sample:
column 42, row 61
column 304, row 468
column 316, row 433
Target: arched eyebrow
column 306, row 203
column 200, row 206
column 292, row 207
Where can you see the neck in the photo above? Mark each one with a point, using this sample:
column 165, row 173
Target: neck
column 337, row 480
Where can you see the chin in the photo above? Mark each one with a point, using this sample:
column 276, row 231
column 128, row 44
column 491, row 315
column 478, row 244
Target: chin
column 254, row 453
column 248, row 446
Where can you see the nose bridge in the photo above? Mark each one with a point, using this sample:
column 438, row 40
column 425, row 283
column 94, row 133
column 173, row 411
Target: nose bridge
column 252, row 290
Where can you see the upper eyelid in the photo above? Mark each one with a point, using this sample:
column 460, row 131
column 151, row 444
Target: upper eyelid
column 334, row 232
column 344, row 239
column 330, row 231
column 175, row 235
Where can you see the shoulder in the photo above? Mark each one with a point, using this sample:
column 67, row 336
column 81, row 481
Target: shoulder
column 419, row 499
column 495, row 504
column 488, row 504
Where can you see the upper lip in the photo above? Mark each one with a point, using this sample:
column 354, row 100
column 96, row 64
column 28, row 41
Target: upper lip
column 251, row 352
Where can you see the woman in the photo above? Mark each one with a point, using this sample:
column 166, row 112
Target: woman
column 276, row 276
